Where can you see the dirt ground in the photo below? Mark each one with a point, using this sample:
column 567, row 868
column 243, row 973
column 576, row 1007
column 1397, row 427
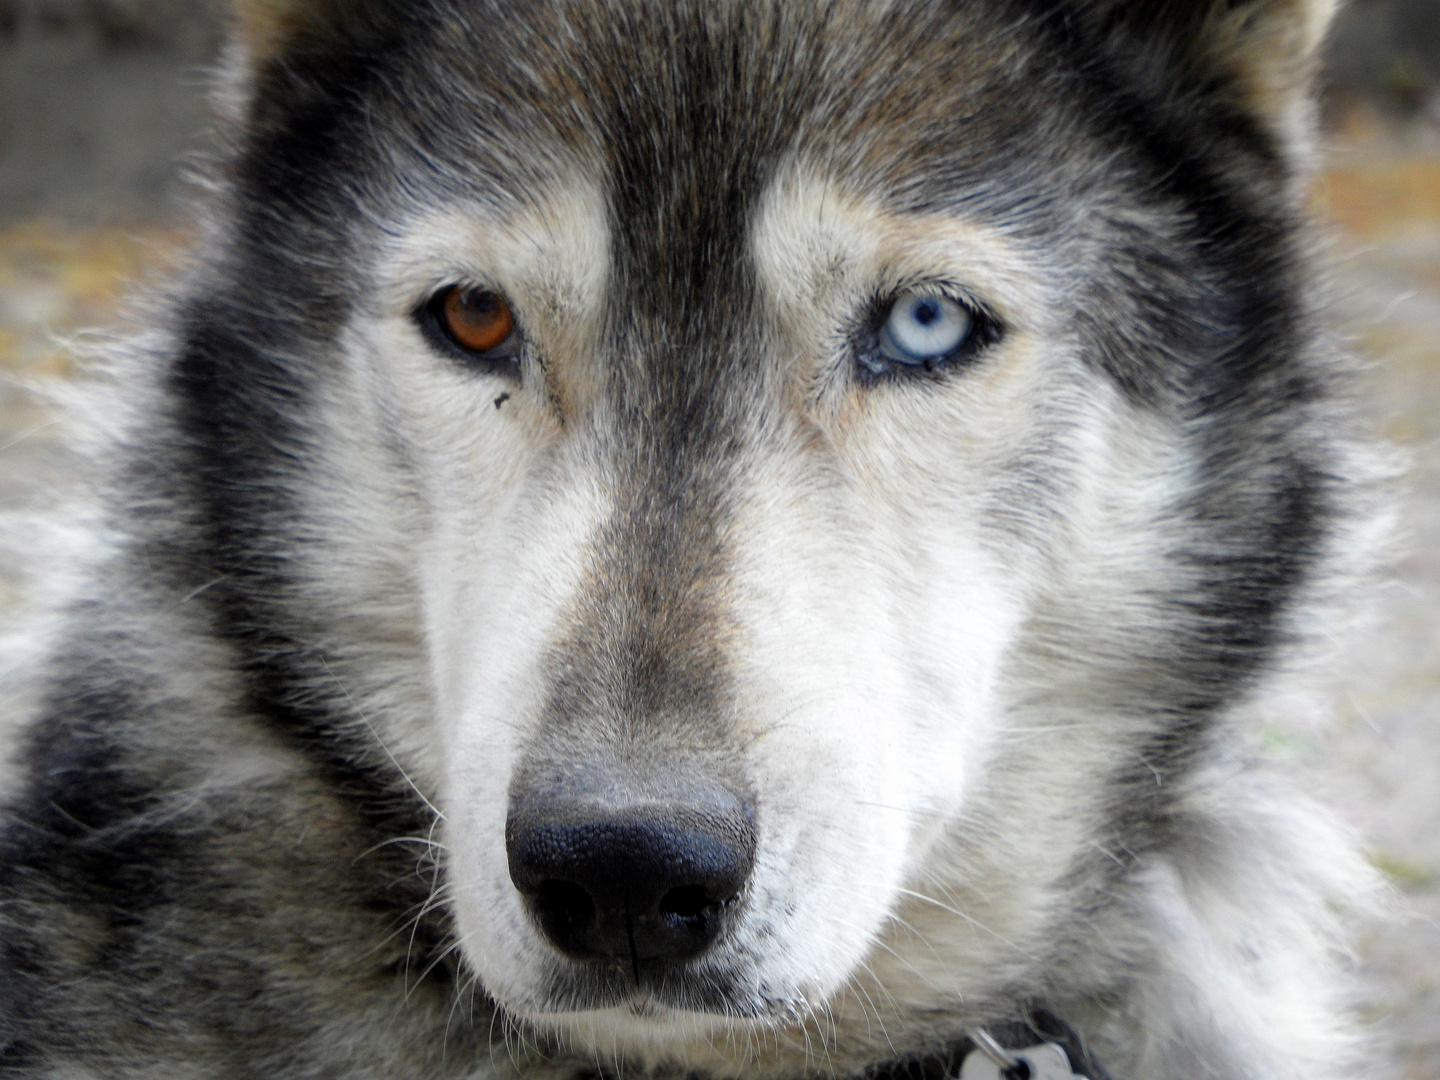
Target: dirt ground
column 1379, row 761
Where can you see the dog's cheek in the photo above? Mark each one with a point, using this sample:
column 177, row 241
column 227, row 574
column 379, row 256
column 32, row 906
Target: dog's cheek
column 880, row 611
column 436, row 576
column 489, row 550
column 392, row 492
column 498, row 583
column 848, row 706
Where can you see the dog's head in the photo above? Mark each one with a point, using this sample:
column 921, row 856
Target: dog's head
column 791, row 484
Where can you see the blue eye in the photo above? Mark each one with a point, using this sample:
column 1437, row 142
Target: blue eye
column 923, row 327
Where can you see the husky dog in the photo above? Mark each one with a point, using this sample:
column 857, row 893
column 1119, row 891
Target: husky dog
column 709, row 539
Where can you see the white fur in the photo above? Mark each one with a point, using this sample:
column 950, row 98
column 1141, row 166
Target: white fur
column 924, row 763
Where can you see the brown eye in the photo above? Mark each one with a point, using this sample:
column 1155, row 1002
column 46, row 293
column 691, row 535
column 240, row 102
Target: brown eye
column 474, row 326
column 476, row 319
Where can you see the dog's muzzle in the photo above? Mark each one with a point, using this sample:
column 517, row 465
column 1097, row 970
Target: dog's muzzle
column 644, row 880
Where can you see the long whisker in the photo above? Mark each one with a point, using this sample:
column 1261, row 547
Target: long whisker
column 365, row 719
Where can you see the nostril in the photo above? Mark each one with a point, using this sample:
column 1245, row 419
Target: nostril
column 656, row 880
column 686, row 902
column 565, row 908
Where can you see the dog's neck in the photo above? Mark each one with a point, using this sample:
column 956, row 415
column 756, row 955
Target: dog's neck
column 1036, row 1027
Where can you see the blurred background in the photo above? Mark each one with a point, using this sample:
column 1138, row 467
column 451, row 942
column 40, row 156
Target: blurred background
column 102, row 101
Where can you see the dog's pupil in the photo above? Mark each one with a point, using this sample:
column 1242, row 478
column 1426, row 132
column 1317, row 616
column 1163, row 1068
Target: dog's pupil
column 479, row 302
column 926, row 312
column 476, row 318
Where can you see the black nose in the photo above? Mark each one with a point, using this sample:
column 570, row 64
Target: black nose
column 648, row 880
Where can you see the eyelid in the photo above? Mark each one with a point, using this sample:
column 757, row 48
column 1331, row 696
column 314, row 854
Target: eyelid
column 873, row 366
column 504, row 358
column 953, row 318
column 479, row 327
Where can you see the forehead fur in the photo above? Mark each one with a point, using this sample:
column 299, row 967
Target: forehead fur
column 860, row 78
column 1054, row 123
column 1256, row 34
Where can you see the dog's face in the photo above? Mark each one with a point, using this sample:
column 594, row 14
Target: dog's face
column 731, row 535
column 718, row 544
column 771, row 429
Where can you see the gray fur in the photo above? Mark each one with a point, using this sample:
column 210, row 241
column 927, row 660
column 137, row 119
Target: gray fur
column 350, row 594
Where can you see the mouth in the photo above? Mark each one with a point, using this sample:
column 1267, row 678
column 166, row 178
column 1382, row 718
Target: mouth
column 654, row 989
column 1012, row 1049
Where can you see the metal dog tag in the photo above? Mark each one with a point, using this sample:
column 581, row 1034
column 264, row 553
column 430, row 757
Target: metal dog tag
column 1047, row 1062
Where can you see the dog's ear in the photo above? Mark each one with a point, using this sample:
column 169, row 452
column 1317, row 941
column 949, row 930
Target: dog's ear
column 268, row 29
column 1263, row 53
column 263, row 27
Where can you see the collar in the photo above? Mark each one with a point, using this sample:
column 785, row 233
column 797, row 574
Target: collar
column 1038, row 1027
column 1012, row 1046
column 1022, row 1040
